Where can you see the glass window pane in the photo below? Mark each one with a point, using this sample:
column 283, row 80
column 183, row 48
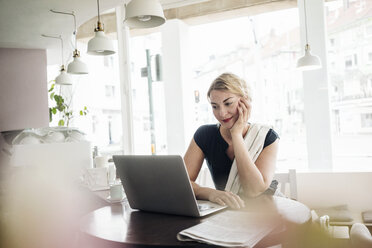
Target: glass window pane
column 99, row 92
column 263, row 50
column 149, row 136
column 349, row 26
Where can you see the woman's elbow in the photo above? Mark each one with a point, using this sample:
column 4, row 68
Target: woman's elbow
column 256, row 191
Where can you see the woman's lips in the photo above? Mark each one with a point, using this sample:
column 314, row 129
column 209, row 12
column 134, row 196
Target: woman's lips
column 227, row 120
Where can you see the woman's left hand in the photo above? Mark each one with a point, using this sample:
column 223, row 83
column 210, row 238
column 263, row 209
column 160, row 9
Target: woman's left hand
column 244, row 110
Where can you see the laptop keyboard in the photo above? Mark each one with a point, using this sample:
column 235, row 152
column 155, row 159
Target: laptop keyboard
column 203, row 207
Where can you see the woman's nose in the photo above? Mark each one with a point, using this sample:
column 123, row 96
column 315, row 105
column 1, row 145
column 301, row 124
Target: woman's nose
column 222, row 112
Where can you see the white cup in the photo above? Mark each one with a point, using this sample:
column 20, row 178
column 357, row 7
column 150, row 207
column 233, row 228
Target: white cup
column 111, row 173
column 116, row 192
column 101, row 161
column 324, row 222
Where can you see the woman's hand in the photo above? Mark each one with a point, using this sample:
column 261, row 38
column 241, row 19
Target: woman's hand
column 244, row 110
column 225, row 198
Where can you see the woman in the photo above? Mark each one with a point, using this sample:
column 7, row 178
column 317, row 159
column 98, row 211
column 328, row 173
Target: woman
column 240, row 155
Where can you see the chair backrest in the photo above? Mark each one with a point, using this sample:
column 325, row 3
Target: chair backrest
column 360, row 236
column 287, row 178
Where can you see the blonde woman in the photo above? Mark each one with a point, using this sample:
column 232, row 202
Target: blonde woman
column 241, row 156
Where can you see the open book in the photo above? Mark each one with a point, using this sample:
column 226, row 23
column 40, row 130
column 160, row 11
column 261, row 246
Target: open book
column 230, row 229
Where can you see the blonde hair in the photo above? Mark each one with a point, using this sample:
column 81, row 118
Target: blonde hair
column 231, row 83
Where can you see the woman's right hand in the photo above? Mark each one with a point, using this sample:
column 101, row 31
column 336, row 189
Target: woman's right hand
column 226, row 198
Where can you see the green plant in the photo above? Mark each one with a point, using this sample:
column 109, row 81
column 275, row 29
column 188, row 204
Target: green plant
column 63, row 108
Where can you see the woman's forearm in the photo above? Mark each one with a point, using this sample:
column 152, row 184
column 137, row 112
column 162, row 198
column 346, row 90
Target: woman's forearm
column 201, row 193
column 250, row 176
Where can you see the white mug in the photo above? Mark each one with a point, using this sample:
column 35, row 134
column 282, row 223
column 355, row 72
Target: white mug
column 116, row 192
column 101, row 161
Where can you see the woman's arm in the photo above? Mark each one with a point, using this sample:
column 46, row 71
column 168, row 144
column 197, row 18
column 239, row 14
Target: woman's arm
column 254, row 177
column 194, row 158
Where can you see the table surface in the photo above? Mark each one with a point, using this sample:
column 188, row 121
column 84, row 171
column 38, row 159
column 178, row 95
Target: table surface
column 117, row 225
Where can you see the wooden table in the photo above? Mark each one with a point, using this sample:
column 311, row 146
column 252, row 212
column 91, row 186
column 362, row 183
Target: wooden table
column 117, row 225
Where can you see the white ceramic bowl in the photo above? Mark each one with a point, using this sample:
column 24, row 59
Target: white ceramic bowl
column 30, row 140
column 54, row 137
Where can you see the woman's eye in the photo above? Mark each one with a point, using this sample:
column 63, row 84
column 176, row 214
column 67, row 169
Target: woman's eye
column 228, row 103
column 213, row 106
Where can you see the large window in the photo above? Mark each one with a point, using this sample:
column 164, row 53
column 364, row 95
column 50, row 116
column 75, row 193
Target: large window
column 99, row 91
column 349, row 30
column 263, row 50
column 149, row 120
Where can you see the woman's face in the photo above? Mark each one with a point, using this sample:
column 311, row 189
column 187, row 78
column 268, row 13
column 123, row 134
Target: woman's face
column 225, row 107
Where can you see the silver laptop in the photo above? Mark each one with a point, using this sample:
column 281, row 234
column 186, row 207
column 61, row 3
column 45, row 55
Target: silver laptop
column 160, row 184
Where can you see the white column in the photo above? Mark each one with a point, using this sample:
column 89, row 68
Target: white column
column 316, row 96
column 125, row 81
column 178, row 89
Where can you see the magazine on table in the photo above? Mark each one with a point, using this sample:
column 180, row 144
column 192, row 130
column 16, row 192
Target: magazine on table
column 230, row 229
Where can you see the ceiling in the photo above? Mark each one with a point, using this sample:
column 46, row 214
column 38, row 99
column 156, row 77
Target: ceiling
column 23, row 21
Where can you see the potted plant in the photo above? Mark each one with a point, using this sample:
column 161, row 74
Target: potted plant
column 62, row 107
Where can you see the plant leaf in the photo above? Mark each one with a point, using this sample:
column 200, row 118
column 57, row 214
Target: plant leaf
column 50, row 115
column 61, row 123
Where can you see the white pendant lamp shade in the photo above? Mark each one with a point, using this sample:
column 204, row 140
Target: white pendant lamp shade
column 144, row 14
column 63, row 78
column 100, row 44
column 77, row 66
column 308, row 61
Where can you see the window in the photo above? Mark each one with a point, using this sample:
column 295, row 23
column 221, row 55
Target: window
column 103, row 122
column 351, row 102
column 348, row 61
column 263, row 50
column 369, row 30
column 149, row 122
column 351, row 61
column 369, row 59
column 109, row 90
column 366, row 120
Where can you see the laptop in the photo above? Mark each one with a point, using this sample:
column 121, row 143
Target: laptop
column 160, row 183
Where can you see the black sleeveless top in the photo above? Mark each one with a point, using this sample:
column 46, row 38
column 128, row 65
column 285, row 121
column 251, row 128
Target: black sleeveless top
column 210, row 141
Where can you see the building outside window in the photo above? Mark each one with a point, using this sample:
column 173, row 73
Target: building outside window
column 351, row 99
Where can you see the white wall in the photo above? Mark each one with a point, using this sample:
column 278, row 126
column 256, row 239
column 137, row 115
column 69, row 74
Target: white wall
column 23, row 89
column 324, row 189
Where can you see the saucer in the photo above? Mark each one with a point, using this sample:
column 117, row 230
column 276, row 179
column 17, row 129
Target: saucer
column 114, row 201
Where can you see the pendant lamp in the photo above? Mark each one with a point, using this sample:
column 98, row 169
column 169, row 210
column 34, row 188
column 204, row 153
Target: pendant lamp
column 63, row 78
column 308, row 61
column 100, row 44
column 144, row 14
column 76, row 66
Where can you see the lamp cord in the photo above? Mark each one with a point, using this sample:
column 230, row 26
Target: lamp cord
column 305, row 22
column 60, row 37
column 99, row 20
column 72, row 14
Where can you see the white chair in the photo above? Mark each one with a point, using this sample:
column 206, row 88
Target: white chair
column 360, row 236
column 288, row 178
